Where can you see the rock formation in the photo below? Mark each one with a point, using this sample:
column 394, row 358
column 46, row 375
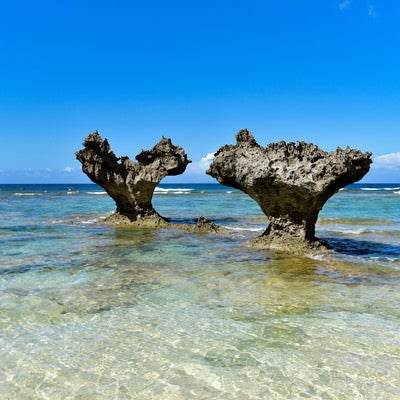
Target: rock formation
column 131, row 184
column 290, row 181
column 204, row 225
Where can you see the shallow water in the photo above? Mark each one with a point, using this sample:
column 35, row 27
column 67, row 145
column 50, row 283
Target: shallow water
column 91, row 311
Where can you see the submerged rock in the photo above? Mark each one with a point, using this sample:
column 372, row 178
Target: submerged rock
column 290, row 181
column 131, row 184
column 203, row 224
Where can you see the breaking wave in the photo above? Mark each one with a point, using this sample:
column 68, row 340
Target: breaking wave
column 159, row 190
column 27, row 194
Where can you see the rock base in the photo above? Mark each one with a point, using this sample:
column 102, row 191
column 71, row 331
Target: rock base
column 151, row 221
column 203, row 224
column 300, row 248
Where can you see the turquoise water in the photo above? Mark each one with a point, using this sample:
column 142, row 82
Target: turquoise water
column 92, row 311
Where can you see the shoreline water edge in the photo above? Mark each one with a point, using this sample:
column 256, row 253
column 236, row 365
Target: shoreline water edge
column 93, row 310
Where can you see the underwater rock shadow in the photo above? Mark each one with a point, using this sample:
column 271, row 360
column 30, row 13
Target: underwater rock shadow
column 356, row 247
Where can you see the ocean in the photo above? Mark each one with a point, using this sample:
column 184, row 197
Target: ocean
column 94, row 311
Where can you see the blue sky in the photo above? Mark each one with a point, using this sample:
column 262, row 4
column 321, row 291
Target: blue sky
column 322, row 71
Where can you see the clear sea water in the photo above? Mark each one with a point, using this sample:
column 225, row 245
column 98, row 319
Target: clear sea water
column 93, row 311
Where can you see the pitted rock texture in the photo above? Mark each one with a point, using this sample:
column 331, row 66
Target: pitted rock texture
column 203, row 224
column 290, row 181
column 131, row 184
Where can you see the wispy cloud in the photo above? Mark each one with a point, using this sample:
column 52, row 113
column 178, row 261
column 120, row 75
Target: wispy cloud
column 200, row 166
column 68, row 169
column 389, row 161
column 372, row 11
column 344, row 4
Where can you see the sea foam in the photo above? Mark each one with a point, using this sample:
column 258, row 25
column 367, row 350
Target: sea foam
column 172, row 190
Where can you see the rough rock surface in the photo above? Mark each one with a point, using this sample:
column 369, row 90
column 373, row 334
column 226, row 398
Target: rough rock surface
column 290, row 181
column 203, row 224
column 131, row 184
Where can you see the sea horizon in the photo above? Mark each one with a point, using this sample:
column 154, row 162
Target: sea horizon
column 173, row 183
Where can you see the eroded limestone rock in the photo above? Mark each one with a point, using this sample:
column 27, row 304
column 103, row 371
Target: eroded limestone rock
column 131, row 184
column 204, row 225
column 290, row 181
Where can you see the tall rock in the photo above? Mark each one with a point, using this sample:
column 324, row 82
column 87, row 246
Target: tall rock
column 290, row 181
column 131, row 184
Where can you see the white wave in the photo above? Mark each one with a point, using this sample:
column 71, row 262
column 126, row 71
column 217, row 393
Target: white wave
column 72, row 192
column 89, row 221
column 96, row 192
column 86, row 220
column 245, row 229
column 27, row 194
column 398, row 192
column 229, row 191
column 57, row 221
column 172, row 190
column 380, row 189
column 347, row 229
column 385, row 259
column 356, row 231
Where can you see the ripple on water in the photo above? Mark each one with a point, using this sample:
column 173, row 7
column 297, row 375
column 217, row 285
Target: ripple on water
column 95, row 312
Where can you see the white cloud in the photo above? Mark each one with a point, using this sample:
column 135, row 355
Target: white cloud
column 68, row 169
column 388, row 161
column 200, row 166
column 344, row 4
column 206, row 161
column 372, row 11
